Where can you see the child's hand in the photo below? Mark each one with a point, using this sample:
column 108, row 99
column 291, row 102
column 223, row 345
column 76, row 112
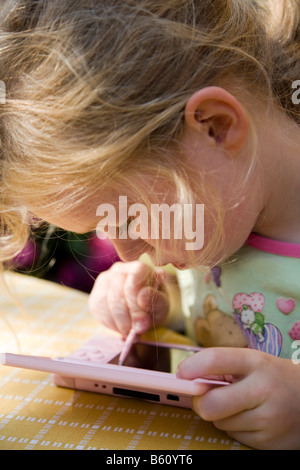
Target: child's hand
column 261, row 408
column 130, row 295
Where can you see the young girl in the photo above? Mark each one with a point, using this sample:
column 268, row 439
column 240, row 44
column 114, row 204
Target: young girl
column 174, row 102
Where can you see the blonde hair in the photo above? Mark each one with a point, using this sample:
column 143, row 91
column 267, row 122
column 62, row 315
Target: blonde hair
column 96, row 91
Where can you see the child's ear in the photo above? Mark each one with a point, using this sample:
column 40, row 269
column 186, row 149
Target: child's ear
column 220, row 116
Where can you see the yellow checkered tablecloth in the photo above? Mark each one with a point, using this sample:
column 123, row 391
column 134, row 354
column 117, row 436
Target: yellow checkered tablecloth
column 37, row 415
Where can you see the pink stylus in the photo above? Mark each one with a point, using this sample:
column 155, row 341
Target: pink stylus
column 131, row 338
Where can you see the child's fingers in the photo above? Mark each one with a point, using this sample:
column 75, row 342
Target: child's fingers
column 128, row 295
column 106, row 300
column 225, row 401
column 155, row 302
column 117, row 313
column 139, row 276
column 97, row 299
column 248, row 420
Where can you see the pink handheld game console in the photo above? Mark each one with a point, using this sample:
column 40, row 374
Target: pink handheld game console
column 148, row 372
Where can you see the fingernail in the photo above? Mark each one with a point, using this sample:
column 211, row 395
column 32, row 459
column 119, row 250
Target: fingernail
column 141, row 326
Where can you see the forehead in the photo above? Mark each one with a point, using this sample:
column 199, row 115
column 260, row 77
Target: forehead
column 81, row 216
column 81, row 219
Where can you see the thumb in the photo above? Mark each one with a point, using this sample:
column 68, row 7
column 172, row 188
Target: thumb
column 237, row 362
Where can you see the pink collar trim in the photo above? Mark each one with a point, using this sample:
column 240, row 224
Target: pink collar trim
column 275, row 247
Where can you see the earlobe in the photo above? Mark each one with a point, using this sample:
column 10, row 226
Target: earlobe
column 219, row 115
